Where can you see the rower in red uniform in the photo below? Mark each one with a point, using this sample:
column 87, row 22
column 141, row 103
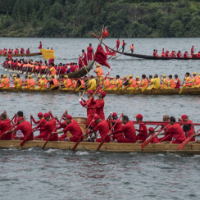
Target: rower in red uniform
column 176, row 131
column 192, row 50
column 84, row 58
column 167, row 54
column 49, row 127
column 163, row 53
column 142, row 135
column 185, row 55
column 28, row 51
column 179, row 55
column 100, row 104
column 177, row 81
column 190, row 126
column 152, row 133
column 129, row 131
column 154, row 53
column 73, row 127
column 42, row 122
column 23, row 126
column 117, row 44
column 90, row 52
column 40, row 46
column 5, row 125
column 102, row 127
column 117, row 126
column 90, row 105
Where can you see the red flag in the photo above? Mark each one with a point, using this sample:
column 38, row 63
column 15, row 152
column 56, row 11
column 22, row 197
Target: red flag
column 104, row 33
column 95, row 36
column 109, row 53
column 101, row 57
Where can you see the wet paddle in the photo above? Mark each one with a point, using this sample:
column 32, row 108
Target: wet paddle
column 184, row 143
column 151, row 138
column 109, row 133
column 53, row 131
column 79, row 140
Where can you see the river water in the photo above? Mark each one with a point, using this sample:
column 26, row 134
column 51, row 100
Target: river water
column 57, row 174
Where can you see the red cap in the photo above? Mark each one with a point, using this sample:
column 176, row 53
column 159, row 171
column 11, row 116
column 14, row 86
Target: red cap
column 69, row 117
column 40, row 114
column 67, row 63
column 19, row 119
column 46, row 115
column 90, row 92
column 151, row 129
column 114, row 114
column 96, row 117
column 139, row 116
column 183, row 117
column 103, row 93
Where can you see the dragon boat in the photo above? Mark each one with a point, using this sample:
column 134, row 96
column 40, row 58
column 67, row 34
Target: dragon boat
column 22, row 55
column 185, row 91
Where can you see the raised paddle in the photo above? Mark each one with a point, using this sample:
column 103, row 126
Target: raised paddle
column 151, row 138
column 85, row 133
column 185, row 142
column 109, row 133
column 53, row 131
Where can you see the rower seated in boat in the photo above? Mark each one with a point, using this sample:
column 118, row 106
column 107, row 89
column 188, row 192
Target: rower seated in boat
column 151, row 82
column 112, row 84
column 73, row 127
column 98, row 71
column 155, row 53
column 131, row 83
column 198, row 54
column 129, row 131
column 164, row 80
column 144, row 82
column 28, row 51
column 5, row 82
column 177, row 80
column 42, row 85
column 195, row 80
column 5, row 125
column 53, row 83
column 185, row 55
column 175, row 130
column 67, row 83
column 171, row 83
column 30, row 83
column 118, row 81
column 188, row 80
column 152, row 133
column 179, row 55
column 142, row 135
column 92, row 85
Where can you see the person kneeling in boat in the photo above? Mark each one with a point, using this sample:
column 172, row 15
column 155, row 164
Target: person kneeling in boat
column 23, row 126
column 74, row 129
column 129, row 131
column 49, row 127
column 5, row 125
column 142, row 135
column 152, row 133
column 102, row 127
column 176, row 131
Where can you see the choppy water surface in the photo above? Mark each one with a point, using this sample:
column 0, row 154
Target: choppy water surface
column 58, row 174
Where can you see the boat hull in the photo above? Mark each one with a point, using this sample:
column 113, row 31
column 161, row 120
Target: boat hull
column 108, row 147
column 185, row 91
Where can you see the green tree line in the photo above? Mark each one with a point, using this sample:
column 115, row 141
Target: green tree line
column 78, row 18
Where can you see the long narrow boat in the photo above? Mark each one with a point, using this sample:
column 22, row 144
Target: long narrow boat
column 77, row 74
column 192, row 148
column 185, row 91
column 194, row 57
column 22, row 55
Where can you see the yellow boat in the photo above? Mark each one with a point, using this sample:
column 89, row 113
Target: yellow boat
column 185, row 91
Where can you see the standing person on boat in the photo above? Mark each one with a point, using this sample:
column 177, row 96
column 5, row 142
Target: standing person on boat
column 132, row 48
column 90, row 52
column 100, row 104
column 5, row 125
column 192, row 51
column 129, row 131
column 117, row 44
column 89, row 105
column 190, row 127
column 23, row 126
column 176, row 131
column 84, row 57
column 123, row 46
column 74, row 129
column 40, row 45
column 142, row 135
column 28, row 51
column 49, row 127
column 177, row 80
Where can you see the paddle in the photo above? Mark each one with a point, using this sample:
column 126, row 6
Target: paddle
column 182, row 89
column 85, row 133
column 134, row 89
column 145, row 143
column 29, row 135
column 165, row 138
column 53, row 131
column 120, row 54
column 157, row 90
column 120, row 86
column 109, row 133
column 144, row 88
column 185, row 142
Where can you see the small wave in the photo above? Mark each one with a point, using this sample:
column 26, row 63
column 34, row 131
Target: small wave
column 80, row 153
column 50, row 150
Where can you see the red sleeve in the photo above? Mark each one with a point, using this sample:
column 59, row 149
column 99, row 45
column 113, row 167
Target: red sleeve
column 83, row 103
column 96, row 128
column 170, row 130
column 51, row 115
column 36, row 122
column 18, row 127
column 67, row 128
column 99, row 104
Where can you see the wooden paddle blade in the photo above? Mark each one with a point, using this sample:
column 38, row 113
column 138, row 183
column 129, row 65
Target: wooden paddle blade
column 184, row 143
column 181, row 90
column 147, row 142
column 101, row 143
column 77, row 143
